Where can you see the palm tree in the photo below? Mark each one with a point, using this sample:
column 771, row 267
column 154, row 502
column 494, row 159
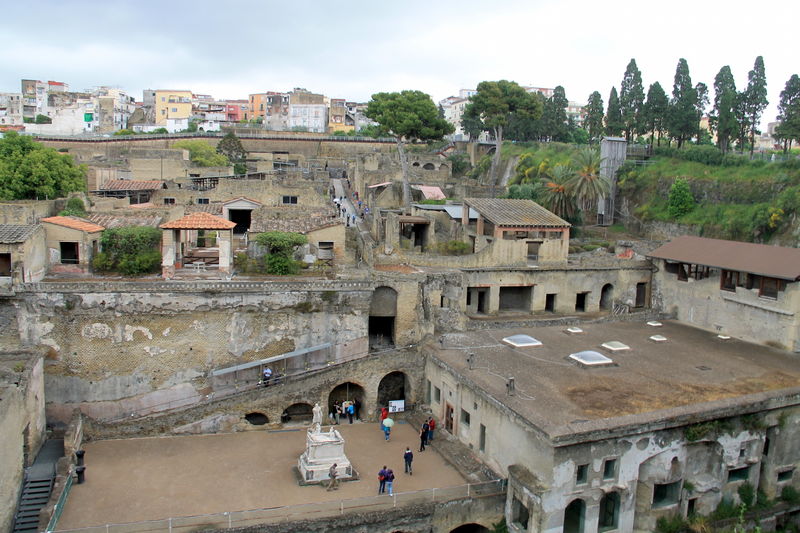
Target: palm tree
column 558, row 196
column 586, row 185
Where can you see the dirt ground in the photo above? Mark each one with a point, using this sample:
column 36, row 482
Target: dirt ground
column 152, row 478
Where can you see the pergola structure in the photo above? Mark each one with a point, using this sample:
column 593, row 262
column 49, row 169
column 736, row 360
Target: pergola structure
column 179, row 233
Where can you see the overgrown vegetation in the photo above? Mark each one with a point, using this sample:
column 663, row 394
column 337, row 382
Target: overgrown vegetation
column 74, row 208
column 704, row 430
column 454, row 248
column 281, row 245
column 202, row 154
column 130, row 251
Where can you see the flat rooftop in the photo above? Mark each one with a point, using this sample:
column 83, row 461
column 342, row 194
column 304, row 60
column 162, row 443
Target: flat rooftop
column 131, row 480
column 691, row 371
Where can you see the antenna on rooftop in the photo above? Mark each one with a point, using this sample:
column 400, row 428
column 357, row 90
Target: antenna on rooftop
column 510, row 387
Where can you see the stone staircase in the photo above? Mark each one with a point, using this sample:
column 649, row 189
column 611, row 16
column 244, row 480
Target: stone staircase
column 37, row 486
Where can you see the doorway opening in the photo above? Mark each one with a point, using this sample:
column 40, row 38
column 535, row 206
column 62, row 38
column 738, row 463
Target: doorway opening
column 297, row 413
column 393, row 386
column 580, row 302
column 606, row 296
column 516, row 298
column 641, row 294
column 382, row 312
column 550, row 303
column 242, row 219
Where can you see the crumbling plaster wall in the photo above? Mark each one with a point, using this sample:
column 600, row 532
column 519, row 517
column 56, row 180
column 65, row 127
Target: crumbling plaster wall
column 157, row 347
column 742, row 314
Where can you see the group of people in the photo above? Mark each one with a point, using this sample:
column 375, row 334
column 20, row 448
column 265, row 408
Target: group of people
column 426, row 433
column 386, row 475
column 349, row 408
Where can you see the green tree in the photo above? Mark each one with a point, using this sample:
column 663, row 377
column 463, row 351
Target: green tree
column 594, row 117
column 701, row 103
column 494, row 104
column 202, row 154
column 655, row 112
column 29, row 170
column 231, row 147
column 407, row 116
column 281, row 245
column 755, row 98
column 43, row 119
column 680, row 200
column 683, row 119
column 133, row 250
column 74, row 208
column 723, row 115
column 554, row 116
column 631, row 100
column 614, row 124
column 789, row 114
column 586, row 185
column 557, row 196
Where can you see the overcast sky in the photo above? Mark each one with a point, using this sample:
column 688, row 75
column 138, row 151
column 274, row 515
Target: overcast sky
column 230, row 48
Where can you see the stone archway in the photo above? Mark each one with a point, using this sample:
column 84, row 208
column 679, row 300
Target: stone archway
column 607, row 296
column 470, row 528
column 393, row 386
column 297, row 414
column 429, row 166
column 382, row 313
column 347, row 391
column 575, row 516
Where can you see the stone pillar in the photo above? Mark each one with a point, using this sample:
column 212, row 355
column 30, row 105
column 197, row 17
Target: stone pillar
column 225, row 244
column 168, row 244
column 494, row 300
column 479, row 225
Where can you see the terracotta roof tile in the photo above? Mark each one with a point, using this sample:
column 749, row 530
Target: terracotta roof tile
column 513, row 212
column 199, row 221
column 132, row 185
column 114, row 221
column 74, row 223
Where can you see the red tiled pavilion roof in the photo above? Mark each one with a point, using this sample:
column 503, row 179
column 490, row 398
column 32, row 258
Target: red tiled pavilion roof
column 74, row 223
column 199, row 221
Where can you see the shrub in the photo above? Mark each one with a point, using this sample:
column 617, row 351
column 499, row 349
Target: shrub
column 201, row 153
column 124, row 132
column 680, row 198
column 674, row 523
column 459, row 163
column 142, row 263
column 747, row 494
column 454, row 248
column 281, row 265
column 790, row 495
column 75, row 208
column 725, row 509
column 130, row 251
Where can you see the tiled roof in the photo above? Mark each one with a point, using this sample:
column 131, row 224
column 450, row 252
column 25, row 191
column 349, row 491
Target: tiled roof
column 132, row 185
column 430, row 192
column 14, row 233
column 214, row 208
column 762, row 259
column 512, row 212
column 241, row 198
column 112, row 221
column 74, row 223
column 199, row 221
column 294, row 225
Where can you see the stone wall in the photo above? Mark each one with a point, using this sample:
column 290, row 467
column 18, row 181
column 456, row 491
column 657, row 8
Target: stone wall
column 22, row 424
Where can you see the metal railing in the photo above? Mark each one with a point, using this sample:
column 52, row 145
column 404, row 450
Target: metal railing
column 308, row 511
column 62, row 501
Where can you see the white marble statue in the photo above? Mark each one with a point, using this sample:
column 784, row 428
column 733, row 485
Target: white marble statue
column 317, row 412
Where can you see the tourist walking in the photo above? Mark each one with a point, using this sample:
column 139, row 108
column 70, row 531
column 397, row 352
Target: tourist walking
column 407, row 458
column 382, row 480
column 425, row 430
column 382, row 417
column 334, row 483
column 338, row 412
column 351, row 411
column 431, row 427
column 422, row 438
column 357, row 408
column 387, row 432
column 389, row 481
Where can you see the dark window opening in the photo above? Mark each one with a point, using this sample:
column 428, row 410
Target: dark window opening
column 609, row 511
column 574, row 516
column 691, row 507
column 765, row 451
column 609, row 469
column 738, row 474
column 202, row 201
column 682, row 273
column 550, row 303
column 641, row 294
column 169, row 201
column 69, row 253
column 581, row 474
column 666, row 494
column 289, row 200
column 465, row 417
column 256, row 419
column 5, row 265
column 730, row 279
column 515, row 298
column 381, row 332
column 519, row 514
column 580, row 302
column 770, row 288
column 437, row 394
column 482, row 440
column 784, row 476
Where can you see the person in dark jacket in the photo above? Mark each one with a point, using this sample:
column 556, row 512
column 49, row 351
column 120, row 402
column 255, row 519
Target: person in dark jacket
column 407, row 458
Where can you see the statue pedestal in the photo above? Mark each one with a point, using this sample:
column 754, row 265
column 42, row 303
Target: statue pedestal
column 323, row 448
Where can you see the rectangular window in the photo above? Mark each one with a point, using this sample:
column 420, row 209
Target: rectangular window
column 428, row 389
column 289, row 200
column 437, row 394
column 581, row 474
column 174, row 109
column 519, row 514
column 169, row 201
column 769, row 288
column 738, row 474
column 202, row 201
column 785, row 476
column 69, row 253
column 666, row 494
column 610, row 469
column 482, row 441
column 465, row 417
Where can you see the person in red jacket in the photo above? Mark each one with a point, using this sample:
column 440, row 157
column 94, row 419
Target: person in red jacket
column 431, row 427
column 384, row 415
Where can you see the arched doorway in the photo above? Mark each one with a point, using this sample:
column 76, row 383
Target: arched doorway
column 606, row 296
column 609, row 511
column 574, row 516
column 469, row 528
column 382, row 312
column 393, row 386
column 256, row 418
column 297, row 413
column 429, row 166
column 347, row 391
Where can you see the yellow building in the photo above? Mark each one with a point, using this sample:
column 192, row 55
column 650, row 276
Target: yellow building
column 171, row 104
column 258, row 106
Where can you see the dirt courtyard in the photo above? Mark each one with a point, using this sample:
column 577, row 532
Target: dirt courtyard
column 152, row 478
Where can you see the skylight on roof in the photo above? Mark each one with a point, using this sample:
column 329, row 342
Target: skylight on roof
column 615, row 346
column 590, row 358
column 573, row 330
column 521, row 341
column 655, row 324
column 658, row 338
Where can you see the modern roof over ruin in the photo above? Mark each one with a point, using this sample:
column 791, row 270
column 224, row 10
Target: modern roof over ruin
column 77, row 223
column 691, row 373
column 762, row 259
column 199, row 221
column 132, row 185
column 16, row 233
column 514, row 212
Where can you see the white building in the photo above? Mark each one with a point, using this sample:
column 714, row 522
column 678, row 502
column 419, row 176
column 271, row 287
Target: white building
column 10, row 109
column 311, row 117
